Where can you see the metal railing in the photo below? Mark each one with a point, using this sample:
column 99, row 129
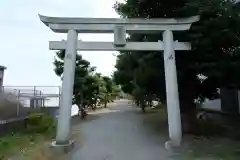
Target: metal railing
column 19, row 99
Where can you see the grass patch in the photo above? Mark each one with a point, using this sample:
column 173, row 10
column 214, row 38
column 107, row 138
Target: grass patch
column 20, row 142
column 213, row 142
column 218, row 140
column 43, row 151
column 155, row 120
column 38, row 128
column 212, row 148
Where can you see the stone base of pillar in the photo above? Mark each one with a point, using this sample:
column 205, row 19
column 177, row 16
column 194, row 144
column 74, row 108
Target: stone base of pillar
column 170, row 145
column 63, row 148
column 174, row 149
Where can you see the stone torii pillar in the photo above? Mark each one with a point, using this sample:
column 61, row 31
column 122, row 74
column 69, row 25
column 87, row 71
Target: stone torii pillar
column 73, row 26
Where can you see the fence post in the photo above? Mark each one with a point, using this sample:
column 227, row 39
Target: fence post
column 59, row 95
column 34, row 90
column 18, row 102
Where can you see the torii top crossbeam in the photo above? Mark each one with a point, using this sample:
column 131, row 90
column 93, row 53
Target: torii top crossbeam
column 73, row 26
column 107, row 25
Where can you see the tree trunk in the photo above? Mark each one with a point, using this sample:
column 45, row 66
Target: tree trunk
column 142, row 104
column 83, row 113
column 81, row 95
column 189, row 114
column 143, row 108
column 191, row 119
column 150, row 103
column 137, row 102
column 80, row 111
column 105, row 101
column 94, row 106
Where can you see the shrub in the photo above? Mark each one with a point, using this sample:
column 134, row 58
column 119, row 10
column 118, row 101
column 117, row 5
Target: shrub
column 39, row 123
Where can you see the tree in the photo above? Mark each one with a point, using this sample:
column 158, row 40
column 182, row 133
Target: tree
column 108, row 90
column 84, row 84
column 89, row 86
column 214, row 55
column 116, row 91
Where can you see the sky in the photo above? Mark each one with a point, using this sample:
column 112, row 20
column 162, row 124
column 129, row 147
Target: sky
column 25, row 39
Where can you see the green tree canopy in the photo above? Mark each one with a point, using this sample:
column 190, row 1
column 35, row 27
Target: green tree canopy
column 214, row 55
column 89, row 86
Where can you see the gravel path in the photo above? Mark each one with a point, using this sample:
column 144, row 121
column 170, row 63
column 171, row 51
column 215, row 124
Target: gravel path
column 120, row 135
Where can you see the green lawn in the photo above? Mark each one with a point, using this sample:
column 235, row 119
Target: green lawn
column 20, row 142
column 23, row 146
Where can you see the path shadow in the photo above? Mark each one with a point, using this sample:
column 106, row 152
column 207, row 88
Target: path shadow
column 155, row 121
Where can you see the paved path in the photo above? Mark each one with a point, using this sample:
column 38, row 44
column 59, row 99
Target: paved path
column 120, row 135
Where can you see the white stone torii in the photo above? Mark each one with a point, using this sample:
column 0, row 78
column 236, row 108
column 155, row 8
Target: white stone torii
column 73, row 26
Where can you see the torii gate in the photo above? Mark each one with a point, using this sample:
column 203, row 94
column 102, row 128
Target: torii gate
column 73, row 26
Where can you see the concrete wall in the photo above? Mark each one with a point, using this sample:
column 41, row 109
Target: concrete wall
column 229, row 102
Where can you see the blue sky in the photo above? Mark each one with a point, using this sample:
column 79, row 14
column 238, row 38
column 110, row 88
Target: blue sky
column 24, row 39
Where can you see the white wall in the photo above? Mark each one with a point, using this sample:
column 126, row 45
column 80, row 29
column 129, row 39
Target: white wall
column 212, row 104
